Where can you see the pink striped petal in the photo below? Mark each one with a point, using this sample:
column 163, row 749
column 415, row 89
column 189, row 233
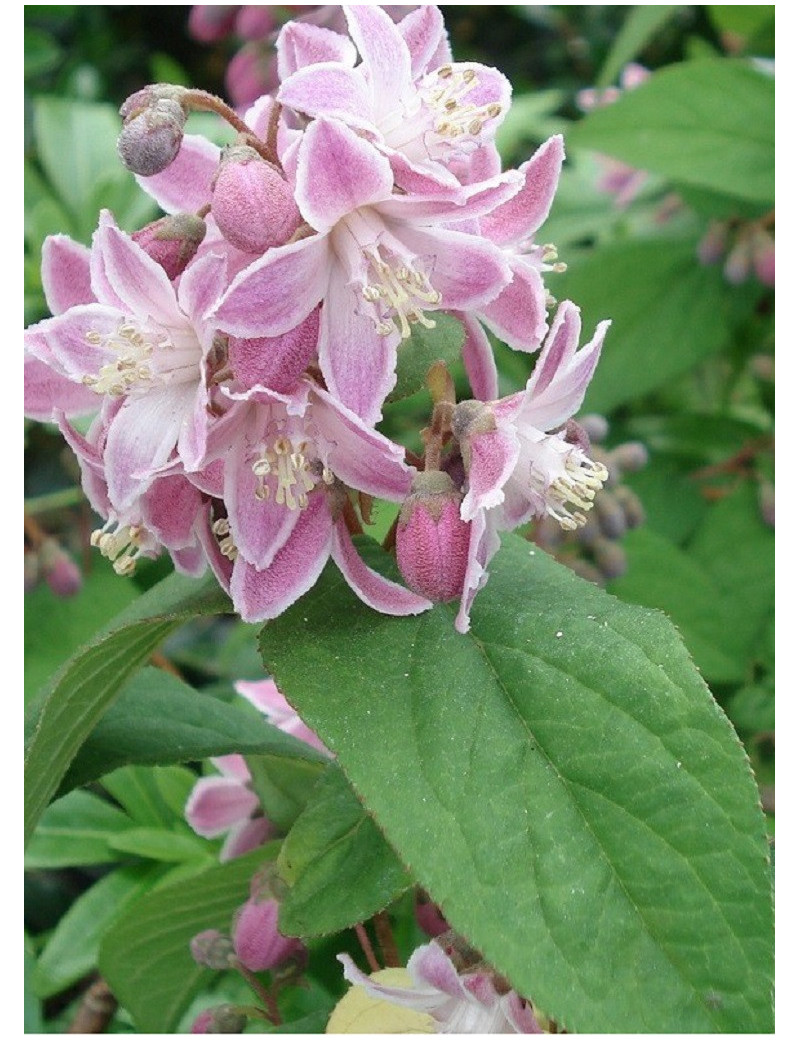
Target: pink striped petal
column 261, row 595
column 47, row 391
column 358, row 364
column 201, row 285
column 384, row 53
column 169, row 510
column 233, row 766
column 185, row 185
column 300, row 44
column 492, row 458
column 263, row 694
column 518, row 316
column 338, row 172
column 524, row 214
column 423, row 31
column 65, row 273
column 278, row 291
column 483, row 544
column 67, row 341
column 217, row 803
column 479, row 360
column 424, row 999
column 244, row 837
column 372, row 588
column 330, row 89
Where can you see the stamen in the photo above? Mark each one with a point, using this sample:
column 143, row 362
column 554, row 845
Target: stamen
column 574, row 490
column 131, row 368
column 453, row 117
column 401, row 289
column 221, row 529
column 289, row 467
column 122, row 545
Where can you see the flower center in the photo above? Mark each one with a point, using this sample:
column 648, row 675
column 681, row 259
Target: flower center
column 122, row 545
column 453, row 116
column 221, row 529
column 284, row 470
column 573, row 491
column 398, row 291
column 132, row 365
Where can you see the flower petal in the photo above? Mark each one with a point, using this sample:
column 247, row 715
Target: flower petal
column 492, row 458
column 424, row 33
column 169, row 510
column 201, row 285
column 525, row 213
column 185, row 185
column 278, row 291
column 216, row 803
column 384, row 53
column 518, row 316
column 65, row 273
column 479, row 360
column 420, row 999
column 47, row 391
column 372, row 588
column 330, row 89
column 262, row 595
column 300, row 44
column 244, row 837
column 337, row 172
column 483, row 544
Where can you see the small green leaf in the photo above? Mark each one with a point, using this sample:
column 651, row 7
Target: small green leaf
column 708, row 123
column 422, row 349
column 73, row 702
column 138, row 791
column 641, row 25
column 283, row 785
column 561, row 782
column 336, row 863
column 668, row 314
column 158, row 720
column 145, row 955
column 75, row 831
column 71, row 951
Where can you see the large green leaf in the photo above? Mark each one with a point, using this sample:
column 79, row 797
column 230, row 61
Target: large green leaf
column 668, row 314
column 422, row 349
column 145, row 955
column 71, row 951
column 73, row 702
column 158, row 720
column 337, row 864
column 710, row 123
column 561, row 782
column 283, row 785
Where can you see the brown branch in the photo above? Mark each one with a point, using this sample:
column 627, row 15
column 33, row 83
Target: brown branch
column 385, row 936
column 95, row 1010
column 366, row 946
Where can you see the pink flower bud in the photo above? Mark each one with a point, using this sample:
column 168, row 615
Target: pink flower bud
column 212, row 949
column 429, row 918
column 172, row 241
column 252, row 204
column 60, row 572
column 255, row 21
column 712, row 245
column 764, row 257
column 432, row 539
column 258, row 943
column 151, row 139
column 223, row 1019
column 250, row 74
column 211, row 22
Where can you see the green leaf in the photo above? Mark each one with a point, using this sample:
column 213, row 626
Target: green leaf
column 42, row 52
column 667, row 311
column 145, row 955
column 561, row 782
column 641, row 25
column 73, row 702
column 709, row 123
column 741, row 19
column 75, row 831
column 139, row 791
column 163, row 845
column 72, row 949
column 336, row 863
column 32, row 1021
column 158, row 720
column 283, row 785
column 422, row 349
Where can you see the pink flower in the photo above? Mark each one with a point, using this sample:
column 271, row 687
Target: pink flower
column 468, row 1003
column 265, row 695
column 516, row 467
column 378, row 263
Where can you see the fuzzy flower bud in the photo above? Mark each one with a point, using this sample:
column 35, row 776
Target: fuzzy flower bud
column 252, row 204
column 223, row 1019
column 172, row 241
column 432, row 539
column 257, row 942
column 211, row 22
column 151, row 135
column 255, row 21
column 212, row 949
column 59, row 570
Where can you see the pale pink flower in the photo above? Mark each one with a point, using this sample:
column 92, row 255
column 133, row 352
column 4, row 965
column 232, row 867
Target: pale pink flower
column 468, row 1003
column 265, row 695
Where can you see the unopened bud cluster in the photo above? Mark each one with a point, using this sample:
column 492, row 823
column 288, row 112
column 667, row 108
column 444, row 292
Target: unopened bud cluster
column 745, row 248
column 595, row 551
column 152, row 128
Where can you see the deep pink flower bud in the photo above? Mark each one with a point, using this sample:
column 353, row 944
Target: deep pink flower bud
column 250, row 73
column 255, row 21
column 212, row 949
column 429, row 918
column 151, row 138
column 60, row 571
column 258, row 943
column 252, row 204
column 172, row 241
column 432, row 539
column 277, row 363
column 211, row 22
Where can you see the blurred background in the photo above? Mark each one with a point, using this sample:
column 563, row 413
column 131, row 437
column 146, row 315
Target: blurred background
column 665, row 220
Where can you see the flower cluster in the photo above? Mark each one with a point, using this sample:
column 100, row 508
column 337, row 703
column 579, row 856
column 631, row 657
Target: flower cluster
column 234, row 358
